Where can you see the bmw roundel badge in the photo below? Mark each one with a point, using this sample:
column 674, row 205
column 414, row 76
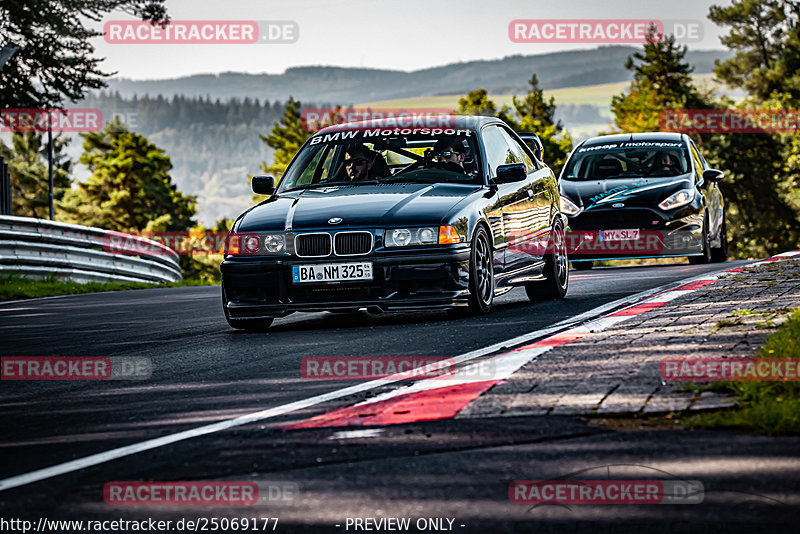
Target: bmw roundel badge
column 334, row 220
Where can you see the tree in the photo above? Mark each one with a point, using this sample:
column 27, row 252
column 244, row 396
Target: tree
column 764, row 34
column 531, row 114
column 762, row 170
column 661, row 81
column 476, row 102
column 130, row 189
column 27, row 167
column 535, row 114
column 55, row 58
column 286, row 138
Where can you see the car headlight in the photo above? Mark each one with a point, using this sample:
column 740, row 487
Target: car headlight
column 274, row 243
column 677, row 199
column 568, row 207
column 405, row 237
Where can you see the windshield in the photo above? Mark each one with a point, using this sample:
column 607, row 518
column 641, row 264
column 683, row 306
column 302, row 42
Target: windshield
column 628, row 159
column 369, row 156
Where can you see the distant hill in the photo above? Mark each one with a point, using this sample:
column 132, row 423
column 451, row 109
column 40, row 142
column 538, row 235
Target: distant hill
column 356, row 85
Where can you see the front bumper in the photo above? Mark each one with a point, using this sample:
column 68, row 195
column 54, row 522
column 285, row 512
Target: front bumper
column 259, row 287
column 659, row 236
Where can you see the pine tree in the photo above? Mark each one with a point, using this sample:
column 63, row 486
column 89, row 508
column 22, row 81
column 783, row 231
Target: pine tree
column 130, row 189
column 27, row 167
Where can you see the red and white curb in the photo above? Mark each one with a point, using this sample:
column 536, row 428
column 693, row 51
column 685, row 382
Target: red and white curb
column 443, row 397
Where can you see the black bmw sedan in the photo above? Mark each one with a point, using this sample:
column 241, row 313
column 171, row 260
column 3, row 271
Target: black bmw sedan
column 642, row 195
column 439, row 212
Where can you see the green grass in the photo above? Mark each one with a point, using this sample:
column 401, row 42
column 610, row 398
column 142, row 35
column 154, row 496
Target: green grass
column 596, row 95
column 764, row 407
column 14, row 287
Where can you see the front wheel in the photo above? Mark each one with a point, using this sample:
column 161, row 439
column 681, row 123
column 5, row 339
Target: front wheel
column 706, row 257
column 556, row 269
column 250, row 325
column 719, row 255
column 481, row 273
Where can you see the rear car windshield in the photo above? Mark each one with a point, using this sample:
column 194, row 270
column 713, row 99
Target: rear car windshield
column 628, row 159
column 426, row 155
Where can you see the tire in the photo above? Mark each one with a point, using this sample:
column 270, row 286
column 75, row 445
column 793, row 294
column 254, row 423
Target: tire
column 556, row 269
column 706, row 257
column 582, row 265
column 719, row 255
column 481, row 273
column 250, row 325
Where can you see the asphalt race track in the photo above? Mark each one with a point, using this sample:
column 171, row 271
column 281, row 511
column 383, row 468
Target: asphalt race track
column 204, row 372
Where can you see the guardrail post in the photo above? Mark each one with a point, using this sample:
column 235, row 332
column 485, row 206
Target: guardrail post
column 6, row 208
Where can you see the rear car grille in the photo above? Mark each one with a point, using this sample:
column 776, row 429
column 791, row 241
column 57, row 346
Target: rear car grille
column 352, row 243
column 313, row 245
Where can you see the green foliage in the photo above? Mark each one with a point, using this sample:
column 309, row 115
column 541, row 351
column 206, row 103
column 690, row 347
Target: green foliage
column 16, row 287
column 661, row 80
column 27, row 167
column 477, row 102
column 530, row 114
column 765, row 407
column 759, row 180
column 205, row 267
column 535, row 114
column 286, row 138
column 55, row 58
column 130, row 188
column 766, row 37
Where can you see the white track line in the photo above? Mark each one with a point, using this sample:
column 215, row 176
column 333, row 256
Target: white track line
column 128, row 450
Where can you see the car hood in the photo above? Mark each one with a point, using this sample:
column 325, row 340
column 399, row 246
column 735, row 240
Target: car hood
column 357, row 206
column 644, row 192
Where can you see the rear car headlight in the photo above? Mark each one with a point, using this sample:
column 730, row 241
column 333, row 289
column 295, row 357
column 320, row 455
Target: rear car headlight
column 568, row 207
column 677, row 199
column 241, row 244
column 405, row 237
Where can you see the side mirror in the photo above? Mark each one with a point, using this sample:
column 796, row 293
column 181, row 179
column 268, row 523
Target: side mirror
column 713, row 175
column 513, row 172
column 263, row 185
column 534, row 143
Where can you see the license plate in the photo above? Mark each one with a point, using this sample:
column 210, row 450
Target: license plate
column 331, row 272
column 619, row 235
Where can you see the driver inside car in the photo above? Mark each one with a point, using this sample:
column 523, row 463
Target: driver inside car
column 451, row 154
column 358, row 161
column 666, row 163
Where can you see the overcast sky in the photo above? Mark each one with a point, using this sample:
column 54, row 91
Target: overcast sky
column 390, row 34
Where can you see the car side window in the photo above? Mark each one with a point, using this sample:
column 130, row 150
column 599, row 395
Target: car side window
column 697, row 160
column 498, row 151
column 523, row 156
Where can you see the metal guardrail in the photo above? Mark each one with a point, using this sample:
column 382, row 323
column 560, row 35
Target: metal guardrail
column 37, row 248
